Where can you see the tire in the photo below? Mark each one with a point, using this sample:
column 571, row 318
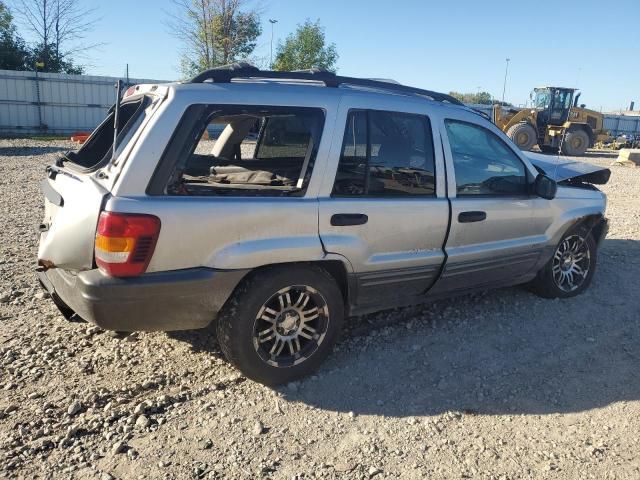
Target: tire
column 548, row 149
column 523, row 135
column 281, row 323
column 551, row 282
column 575, row 143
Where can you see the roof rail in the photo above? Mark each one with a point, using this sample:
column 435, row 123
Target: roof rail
column 226, row 73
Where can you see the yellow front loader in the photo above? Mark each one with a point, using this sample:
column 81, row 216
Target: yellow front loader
column 555, row 122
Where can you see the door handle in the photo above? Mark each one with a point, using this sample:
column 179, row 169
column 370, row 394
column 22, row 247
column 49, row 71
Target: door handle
column 468, row 217
column 344, row 219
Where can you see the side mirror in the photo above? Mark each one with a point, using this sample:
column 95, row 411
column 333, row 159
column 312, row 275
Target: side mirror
column 545, row 187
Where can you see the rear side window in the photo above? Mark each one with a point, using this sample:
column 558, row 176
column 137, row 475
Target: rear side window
column 483, row 163
column 386, row 154
column 244, row 150
column 97, row 149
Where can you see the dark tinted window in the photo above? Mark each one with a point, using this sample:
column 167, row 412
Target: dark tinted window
column 484, row 165
column 350, row 177
column 386, row 154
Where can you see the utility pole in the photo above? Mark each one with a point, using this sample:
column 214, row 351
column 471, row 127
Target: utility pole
column 504, row 86
column 272, row 22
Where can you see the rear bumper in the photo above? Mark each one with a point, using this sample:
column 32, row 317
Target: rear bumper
column 174, row 300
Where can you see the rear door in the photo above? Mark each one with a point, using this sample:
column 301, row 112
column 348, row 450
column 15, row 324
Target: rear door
column 77, row 184
column 72, row 206
column 385, row 209
column 497, row 224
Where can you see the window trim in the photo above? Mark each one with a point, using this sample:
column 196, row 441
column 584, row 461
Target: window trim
column 189, row 130
column 428, row 129
column 527, row 173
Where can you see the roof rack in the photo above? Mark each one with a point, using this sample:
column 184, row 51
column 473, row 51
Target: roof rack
column 226, row 73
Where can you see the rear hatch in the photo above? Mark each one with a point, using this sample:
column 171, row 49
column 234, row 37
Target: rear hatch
column 78, row 183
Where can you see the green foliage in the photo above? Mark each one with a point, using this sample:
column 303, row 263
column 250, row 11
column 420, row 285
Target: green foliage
column 214, row 33
column 16, row 55
column 482, row 98
column 235, row 36
column 13, row 51
column 306, row 48
column 53, row 61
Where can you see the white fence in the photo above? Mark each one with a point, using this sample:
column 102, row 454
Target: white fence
column 54, row 103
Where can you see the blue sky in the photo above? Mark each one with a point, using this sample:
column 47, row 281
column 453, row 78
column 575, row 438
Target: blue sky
column 441, row 46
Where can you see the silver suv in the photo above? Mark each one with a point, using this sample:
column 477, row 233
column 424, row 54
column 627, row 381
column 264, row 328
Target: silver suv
column 321, row 197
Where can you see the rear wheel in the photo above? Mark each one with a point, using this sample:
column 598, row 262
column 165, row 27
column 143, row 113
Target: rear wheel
column 523, row 135
column 570, row 270
column 281, row 323
column 575, row 143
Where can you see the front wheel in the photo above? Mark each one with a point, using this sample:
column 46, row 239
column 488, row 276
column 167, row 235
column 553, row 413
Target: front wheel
column 523, row 135
column 281, row 323
column 570, row 270
column 575, row 143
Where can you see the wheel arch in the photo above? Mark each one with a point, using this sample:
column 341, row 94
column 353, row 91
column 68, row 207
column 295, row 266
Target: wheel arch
column 336, row 268
column 595, row 222
column 597, row 225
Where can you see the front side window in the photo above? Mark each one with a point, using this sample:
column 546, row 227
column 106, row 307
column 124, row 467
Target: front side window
column 248, row 150
column 484, row 164
column 386, row 154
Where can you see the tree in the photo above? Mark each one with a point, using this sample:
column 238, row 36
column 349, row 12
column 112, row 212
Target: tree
column 306, row 48
column 482, row 98
column 214, row 32
column 59, row 27
column 13, row 51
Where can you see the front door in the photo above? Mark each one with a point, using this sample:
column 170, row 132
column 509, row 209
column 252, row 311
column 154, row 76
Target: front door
column 386, row 212
column 497, row 225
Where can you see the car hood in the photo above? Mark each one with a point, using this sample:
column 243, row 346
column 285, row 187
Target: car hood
column 561, row 169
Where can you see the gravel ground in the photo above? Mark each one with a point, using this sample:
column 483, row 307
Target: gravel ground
column 499, row 385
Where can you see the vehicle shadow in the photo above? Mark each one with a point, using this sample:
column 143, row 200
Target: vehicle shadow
column 30, row 151
column 500, row 352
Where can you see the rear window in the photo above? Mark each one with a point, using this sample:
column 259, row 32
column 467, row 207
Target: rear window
column 244, row 150
column 97, row 149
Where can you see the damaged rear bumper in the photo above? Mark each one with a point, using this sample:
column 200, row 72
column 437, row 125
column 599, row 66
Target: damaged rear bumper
column 175, row 300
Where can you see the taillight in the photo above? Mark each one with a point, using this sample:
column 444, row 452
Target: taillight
column 130, row 91
column 125, row 243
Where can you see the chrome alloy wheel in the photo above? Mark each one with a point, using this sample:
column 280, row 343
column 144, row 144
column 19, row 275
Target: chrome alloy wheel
column 290, row 326
column 571, row 263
